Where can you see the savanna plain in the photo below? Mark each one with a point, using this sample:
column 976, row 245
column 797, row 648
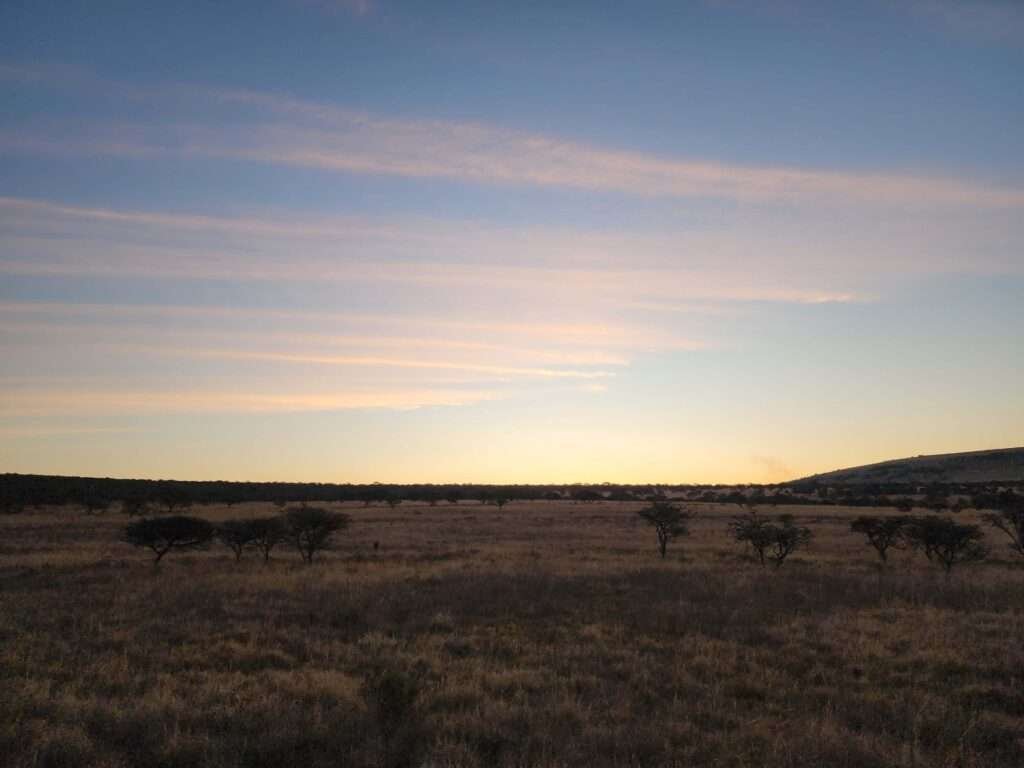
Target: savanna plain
column 539, row 634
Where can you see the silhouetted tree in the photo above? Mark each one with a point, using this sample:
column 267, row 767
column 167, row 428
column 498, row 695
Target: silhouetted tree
column 267, row 533
column 310, row 529
column 164, row 534
column 774, row 541
column 173, row 499
column 881, row 532
column 668, row 520
column 946, row 541
column 1008, row 517
column 236, row 535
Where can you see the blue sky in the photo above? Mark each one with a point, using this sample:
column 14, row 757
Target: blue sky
column 371, row 240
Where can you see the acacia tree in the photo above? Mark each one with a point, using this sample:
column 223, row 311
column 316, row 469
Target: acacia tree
column 946, row 541
column 668, row 520
column 770, row 541
column 310, row 529
column 236, row 535
column 267, row 533
column 881, row 532
column 164, row 534
column 1008, row 517
column 175, row 499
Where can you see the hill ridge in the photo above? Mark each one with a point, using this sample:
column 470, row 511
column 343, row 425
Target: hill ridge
column 986, row 465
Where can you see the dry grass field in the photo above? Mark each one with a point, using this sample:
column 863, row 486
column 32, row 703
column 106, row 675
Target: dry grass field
column 545, row 634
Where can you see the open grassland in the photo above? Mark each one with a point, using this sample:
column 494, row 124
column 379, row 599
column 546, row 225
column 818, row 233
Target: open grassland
column 544, row 634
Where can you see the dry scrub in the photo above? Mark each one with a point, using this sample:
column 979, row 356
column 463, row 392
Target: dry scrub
column 541, row 634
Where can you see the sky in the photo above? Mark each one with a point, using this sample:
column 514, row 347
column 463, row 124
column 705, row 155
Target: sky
column 373, row 240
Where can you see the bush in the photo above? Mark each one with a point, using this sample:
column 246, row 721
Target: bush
column 881, row 532
column 164, row 534
column 135, row 507
column 945, row 541
column 310, row 529
column 390, row 696
column 1008, row 517
column 770, row 541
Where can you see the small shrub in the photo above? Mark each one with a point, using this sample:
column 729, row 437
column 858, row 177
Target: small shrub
column 135, row 507
column 94, row 503
column 391, row 696
column 904, row 504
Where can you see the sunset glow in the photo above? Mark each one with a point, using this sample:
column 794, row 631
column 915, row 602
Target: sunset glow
column 392, row 245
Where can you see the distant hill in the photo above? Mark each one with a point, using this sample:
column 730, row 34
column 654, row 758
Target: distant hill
column 1003, row 464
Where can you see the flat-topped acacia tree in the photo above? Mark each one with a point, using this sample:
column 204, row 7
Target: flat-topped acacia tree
column 946, row 541
column 236, row 535
column 770, row 541
column 881, row 532
column 668, row 520
column 267, row 533
column 309, row 529
column 172, row 533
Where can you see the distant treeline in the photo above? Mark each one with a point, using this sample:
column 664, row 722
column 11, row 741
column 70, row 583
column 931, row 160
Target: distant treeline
column 20, row 491
column 35, row 490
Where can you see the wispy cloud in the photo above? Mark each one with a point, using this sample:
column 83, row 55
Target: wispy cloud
column 756, row 260
column 282, row 130
column 392, row 362
column 83, row 402
column 609, row 268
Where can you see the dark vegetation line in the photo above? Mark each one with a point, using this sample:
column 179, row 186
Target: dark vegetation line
column 98, row 494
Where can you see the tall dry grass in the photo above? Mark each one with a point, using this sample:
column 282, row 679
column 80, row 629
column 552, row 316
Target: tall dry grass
column 546, row 634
